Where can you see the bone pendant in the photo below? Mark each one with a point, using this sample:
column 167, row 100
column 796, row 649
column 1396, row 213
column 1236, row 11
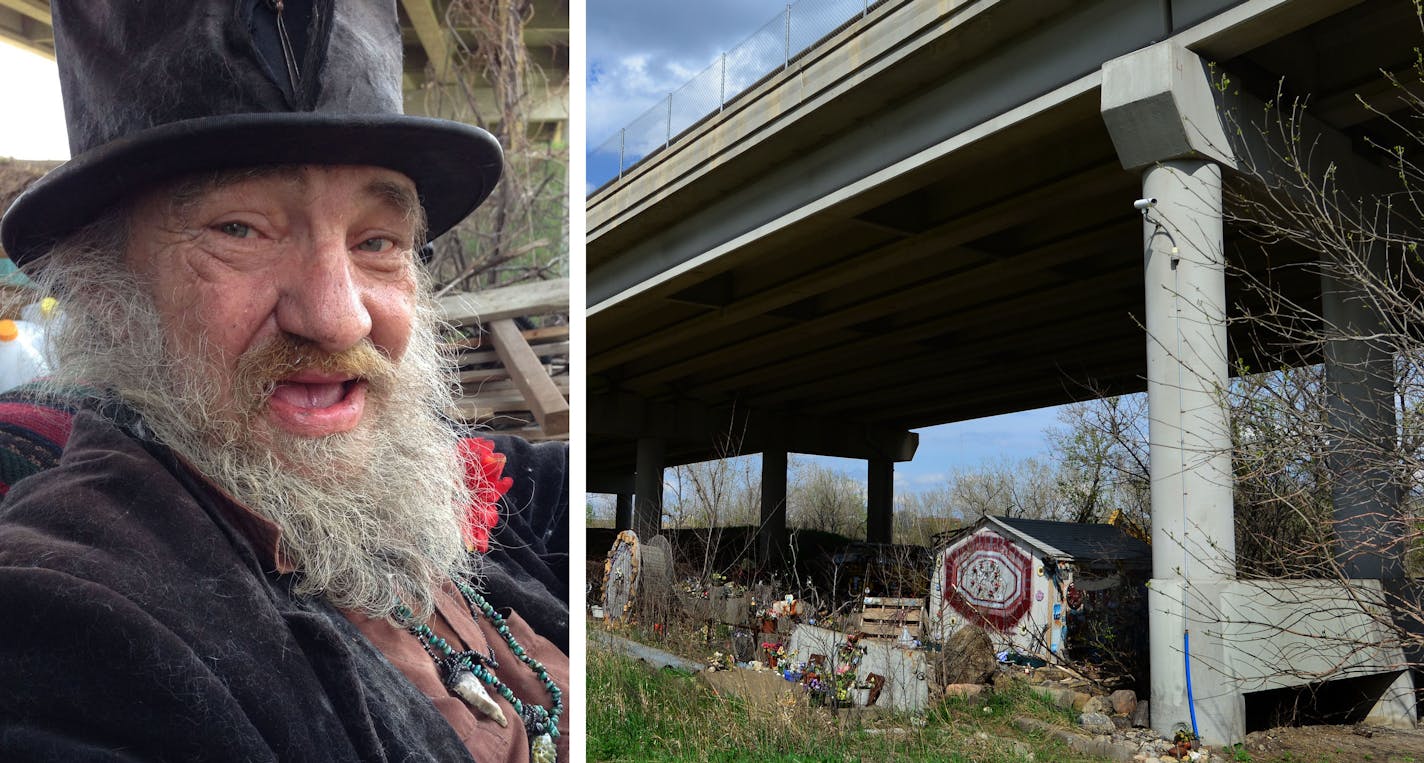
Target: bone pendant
column 473, row 692
column 543, row 750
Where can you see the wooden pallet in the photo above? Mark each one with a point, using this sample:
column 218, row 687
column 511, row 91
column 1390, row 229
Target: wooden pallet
column 886, row 617
column 512, row 379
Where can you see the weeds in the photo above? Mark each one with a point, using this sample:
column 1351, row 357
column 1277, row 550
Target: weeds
column 639, row 714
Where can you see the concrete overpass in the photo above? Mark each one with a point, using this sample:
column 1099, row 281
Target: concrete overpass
column 432, row 45
column 929, row 217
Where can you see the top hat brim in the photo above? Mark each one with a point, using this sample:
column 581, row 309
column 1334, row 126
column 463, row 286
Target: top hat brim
column 454, row 166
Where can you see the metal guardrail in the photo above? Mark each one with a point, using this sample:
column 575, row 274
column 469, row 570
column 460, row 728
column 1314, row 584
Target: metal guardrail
column 769, row 49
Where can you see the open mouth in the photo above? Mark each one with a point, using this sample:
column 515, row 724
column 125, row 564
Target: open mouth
column 315, row 405
column 313, row 395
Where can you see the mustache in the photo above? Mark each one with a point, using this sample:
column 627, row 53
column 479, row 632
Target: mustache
column 259, row 370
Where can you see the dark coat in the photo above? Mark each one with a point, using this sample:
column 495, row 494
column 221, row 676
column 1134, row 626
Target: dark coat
column 138, row 624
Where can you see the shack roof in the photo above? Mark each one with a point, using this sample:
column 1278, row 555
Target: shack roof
column 1080, row 542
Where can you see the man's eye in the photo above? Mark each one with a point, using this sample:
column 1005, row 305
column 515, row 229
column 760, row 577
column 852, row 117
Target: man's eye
column 376, row 245
column 236, row 230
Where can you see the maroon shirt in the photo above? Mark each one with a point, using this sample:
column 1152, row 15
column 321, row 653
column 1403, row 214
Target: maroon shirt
column 454, row 622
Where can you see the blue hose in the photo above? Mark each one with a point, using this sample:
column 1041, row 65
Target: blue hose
column 1187, row 656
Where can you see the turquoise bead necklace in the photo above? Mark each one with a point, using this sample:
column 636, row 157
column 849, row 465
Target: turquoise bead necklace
column 540, row 723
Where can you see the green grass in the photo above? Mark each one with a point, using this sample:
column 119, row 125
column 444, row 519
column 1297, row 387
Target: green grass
column 638, row 714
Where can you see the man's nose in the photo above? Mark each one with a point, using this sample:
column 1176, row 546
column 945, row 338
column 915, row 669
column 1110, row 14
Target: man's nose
column 322, row 300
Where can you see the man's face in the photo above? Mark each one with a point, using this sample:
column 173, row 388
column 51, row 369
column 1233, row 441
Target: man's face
column 294, row 287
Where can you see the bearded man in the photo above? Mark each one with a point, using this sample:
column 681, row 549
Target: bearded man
column 264, row 540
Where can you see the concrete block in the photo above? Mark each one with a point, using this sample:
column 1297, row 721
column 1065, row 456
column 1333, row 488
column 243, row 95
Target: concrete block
column 1395, row 709
column 1159, row 103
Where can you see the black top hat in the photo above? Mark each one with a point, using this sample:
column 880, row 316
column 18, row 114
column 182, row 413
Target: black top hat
column 153, row 90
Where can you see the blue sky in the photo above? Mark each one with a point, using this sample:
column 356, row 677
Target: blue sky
column 641, row 50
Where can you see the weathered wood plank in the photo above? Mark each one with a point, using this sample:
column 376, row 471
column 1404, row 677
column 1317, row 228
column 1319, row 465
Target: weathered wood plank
column 505, row 389
column 527, row 372
column 558, row 350
column 485, row 307
column 892, row 617
column 534, row 337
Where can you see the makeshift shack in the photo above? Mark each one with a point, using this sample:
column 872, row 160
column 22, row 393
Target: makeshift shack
column 1043, row 588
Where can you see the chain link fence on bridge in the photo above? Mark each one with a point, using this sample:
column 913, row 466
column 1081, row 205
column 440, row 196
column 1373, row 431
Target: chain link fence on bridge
column 769, row 49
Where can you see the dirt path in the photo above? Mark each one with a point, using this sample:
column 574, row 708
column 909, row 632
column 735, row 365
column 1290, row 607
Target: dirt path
column 1334, row 744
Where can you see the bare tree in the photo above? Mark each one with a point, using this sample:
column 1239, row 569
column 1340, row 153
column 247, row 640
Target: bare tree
column 707, row 498
column 1100, row 451
column 920, row 515
column 521, row 232
column 822, row 498
column 1012, row 488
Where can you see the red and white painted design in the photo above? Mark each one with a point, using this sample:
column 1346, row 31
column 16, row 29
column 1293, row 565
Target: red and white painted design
column 989, row 580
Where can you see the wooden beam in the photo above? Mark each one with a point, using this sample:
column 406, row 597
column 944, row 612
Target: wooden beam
column 527, row 372
column 35, row 9
column 432, row 34
column 525, row 299
column 503, row 395
column 27, row 33
column 541, row 335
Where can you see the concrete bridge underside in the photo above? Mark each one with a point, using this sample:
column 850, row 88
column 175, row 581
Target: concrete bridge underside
column 906, row 232
column 900, row 233
column 926, row 219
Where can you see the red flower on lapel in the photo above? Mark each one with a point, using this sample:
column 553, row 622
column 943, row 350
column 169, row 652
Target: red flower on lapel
column 484, row 476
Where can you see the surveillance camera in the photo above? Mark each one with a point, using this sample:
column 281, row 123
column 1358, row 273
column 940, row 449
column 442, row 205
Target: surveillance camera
column 1142, row 205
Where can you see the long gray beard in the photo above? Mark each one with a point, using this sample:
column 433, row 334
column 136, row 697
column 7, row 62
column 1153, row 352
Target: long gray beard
column 371, row 517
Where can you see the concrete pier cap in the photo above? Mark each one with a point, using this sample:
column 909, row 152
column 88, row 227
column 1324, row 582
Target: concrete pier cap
column 1159, row 103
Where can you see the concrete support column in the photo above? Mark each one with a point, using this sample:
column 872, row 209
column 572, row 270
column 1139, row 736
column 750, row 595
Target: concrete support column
column 771, row 535
column 623, row 512
column 880, row 501
column 648, row 488
column 1193, row 536
column 1359, row 385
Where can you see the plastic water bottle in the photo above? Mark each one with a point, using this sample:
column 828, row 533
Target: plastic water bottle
column 21, row 353
column 46, row 316
column 41, row 312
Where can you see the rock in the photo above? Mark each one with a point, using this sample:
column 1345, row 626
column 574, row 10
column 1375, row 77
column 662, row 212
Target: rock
column 1060, row 696
column 1096, row 723
column 1124, row 702
column 1141, row 718
column 968, row 657
column 1081, row 700
column 1021, row 750
column 968, row 691
column 1121, row 723
column 1099, row 705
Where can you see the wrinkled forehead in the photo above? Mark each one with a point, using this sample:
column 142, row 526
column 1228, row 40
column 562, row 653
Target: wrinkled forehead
column 181, row 195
